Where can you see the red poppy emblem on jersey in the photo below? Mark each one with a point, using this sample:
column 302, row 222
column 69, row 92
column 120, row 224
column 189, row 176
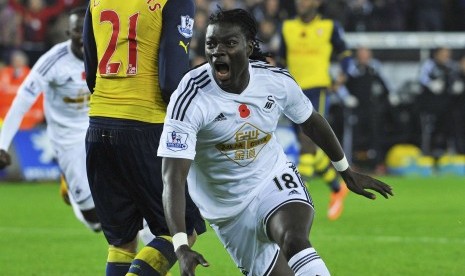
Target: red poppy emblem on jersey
column 83, row 75
column 244, row 111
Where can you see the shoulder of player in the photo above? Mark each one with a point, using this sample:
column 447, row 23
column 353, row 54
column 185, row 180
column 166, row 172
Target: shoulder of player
column 59, row 49
column 197, row 69
column 197, row 77
column 49, row 60
column 189, row 95
column 264, row 68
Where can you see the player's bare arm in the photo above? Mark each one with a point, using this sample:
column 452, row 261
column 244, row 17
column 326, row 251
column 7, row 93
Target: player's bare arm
column 175, row 172
column 317, row 128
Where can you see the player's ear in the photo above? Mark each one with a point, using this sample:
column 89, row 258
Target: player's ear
column 249, row 48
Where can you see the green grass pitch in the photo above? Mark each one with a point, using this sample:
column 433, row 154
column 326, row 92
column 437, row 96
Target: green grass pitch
column 420, row 231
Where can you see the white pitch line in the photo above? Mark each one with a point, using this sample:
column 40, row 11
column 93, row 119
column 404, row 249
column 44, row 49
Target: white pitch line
column 339, row 237
column 394, row 239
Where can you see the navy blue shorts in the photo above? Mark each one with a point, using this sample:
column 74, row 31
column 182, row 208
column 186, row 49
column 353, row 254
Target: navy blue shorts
column 124, row 175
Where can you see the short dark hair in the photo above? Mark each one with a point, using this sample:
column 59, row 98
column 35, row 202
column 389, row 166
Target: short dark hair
column 246, row 22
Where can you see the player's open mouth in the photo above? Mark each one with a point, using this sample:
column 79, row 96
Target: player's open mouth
column 222, row 71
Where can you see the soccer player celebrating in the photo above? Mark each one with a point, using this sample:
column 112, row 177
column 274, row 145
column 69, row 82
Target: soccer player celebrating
column 59, row 74
column 219, row 134
column 135, row 55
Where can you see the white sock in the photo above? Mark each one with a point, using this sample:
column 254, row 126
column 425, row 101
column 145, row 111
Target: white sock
column 307, row 262
column 145, row 235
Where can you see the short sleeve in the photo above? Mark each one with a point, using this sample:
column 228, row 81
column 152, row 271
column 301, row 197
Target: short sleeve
column 42, row 74
column 182, row 122
column 298, row 107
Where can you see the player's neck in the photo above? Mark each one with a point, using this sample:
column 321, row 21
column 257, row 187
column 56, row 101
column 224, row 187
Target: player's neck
column 307, row 18
column 77, row 52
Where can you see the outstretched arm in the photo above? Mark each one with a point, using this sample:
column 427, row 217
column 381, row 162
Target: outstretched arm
column 174, row 171
column 21, row 104
column 27, row 95
column 317, row 128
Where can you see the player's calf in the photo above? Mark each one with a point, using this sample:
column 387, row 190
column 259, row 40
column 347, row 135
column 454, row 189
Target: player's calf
column 118, row 262
column 156, row 258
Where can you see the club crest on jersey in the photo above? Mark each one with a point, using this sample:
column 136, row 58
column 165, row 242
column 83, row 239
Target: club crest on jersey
column 270, row 104
column 187, row 26
column 176, row 141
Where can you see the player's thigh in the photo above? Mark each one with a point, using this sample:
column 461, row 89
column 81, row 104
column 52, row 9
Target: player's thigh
column 243, row 238
column 290, row 225
column 72, row 162
column 111, row 190
column 286, row 205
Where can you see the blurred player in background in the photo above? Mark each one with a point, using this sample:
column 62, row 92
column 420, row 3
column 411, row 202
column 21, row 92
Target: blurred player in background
column 219, row 133
column 307, row 45
column 371, row 91
column 135, row 55
column 435, row 101
column 59, row 74
column 458, row 107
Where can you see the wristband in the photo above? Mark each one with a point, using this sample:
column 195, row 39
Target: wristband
column 341, row 165
column 179, row 239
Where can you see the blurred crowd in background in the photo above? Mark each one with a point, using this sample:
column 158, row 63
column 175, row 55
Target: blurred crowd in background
column 368, row 113
column 35, row 25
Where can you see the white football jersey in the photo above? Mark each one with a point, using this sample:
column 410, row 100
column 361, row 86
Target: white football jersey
column 230, row 137
column 60, row 75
